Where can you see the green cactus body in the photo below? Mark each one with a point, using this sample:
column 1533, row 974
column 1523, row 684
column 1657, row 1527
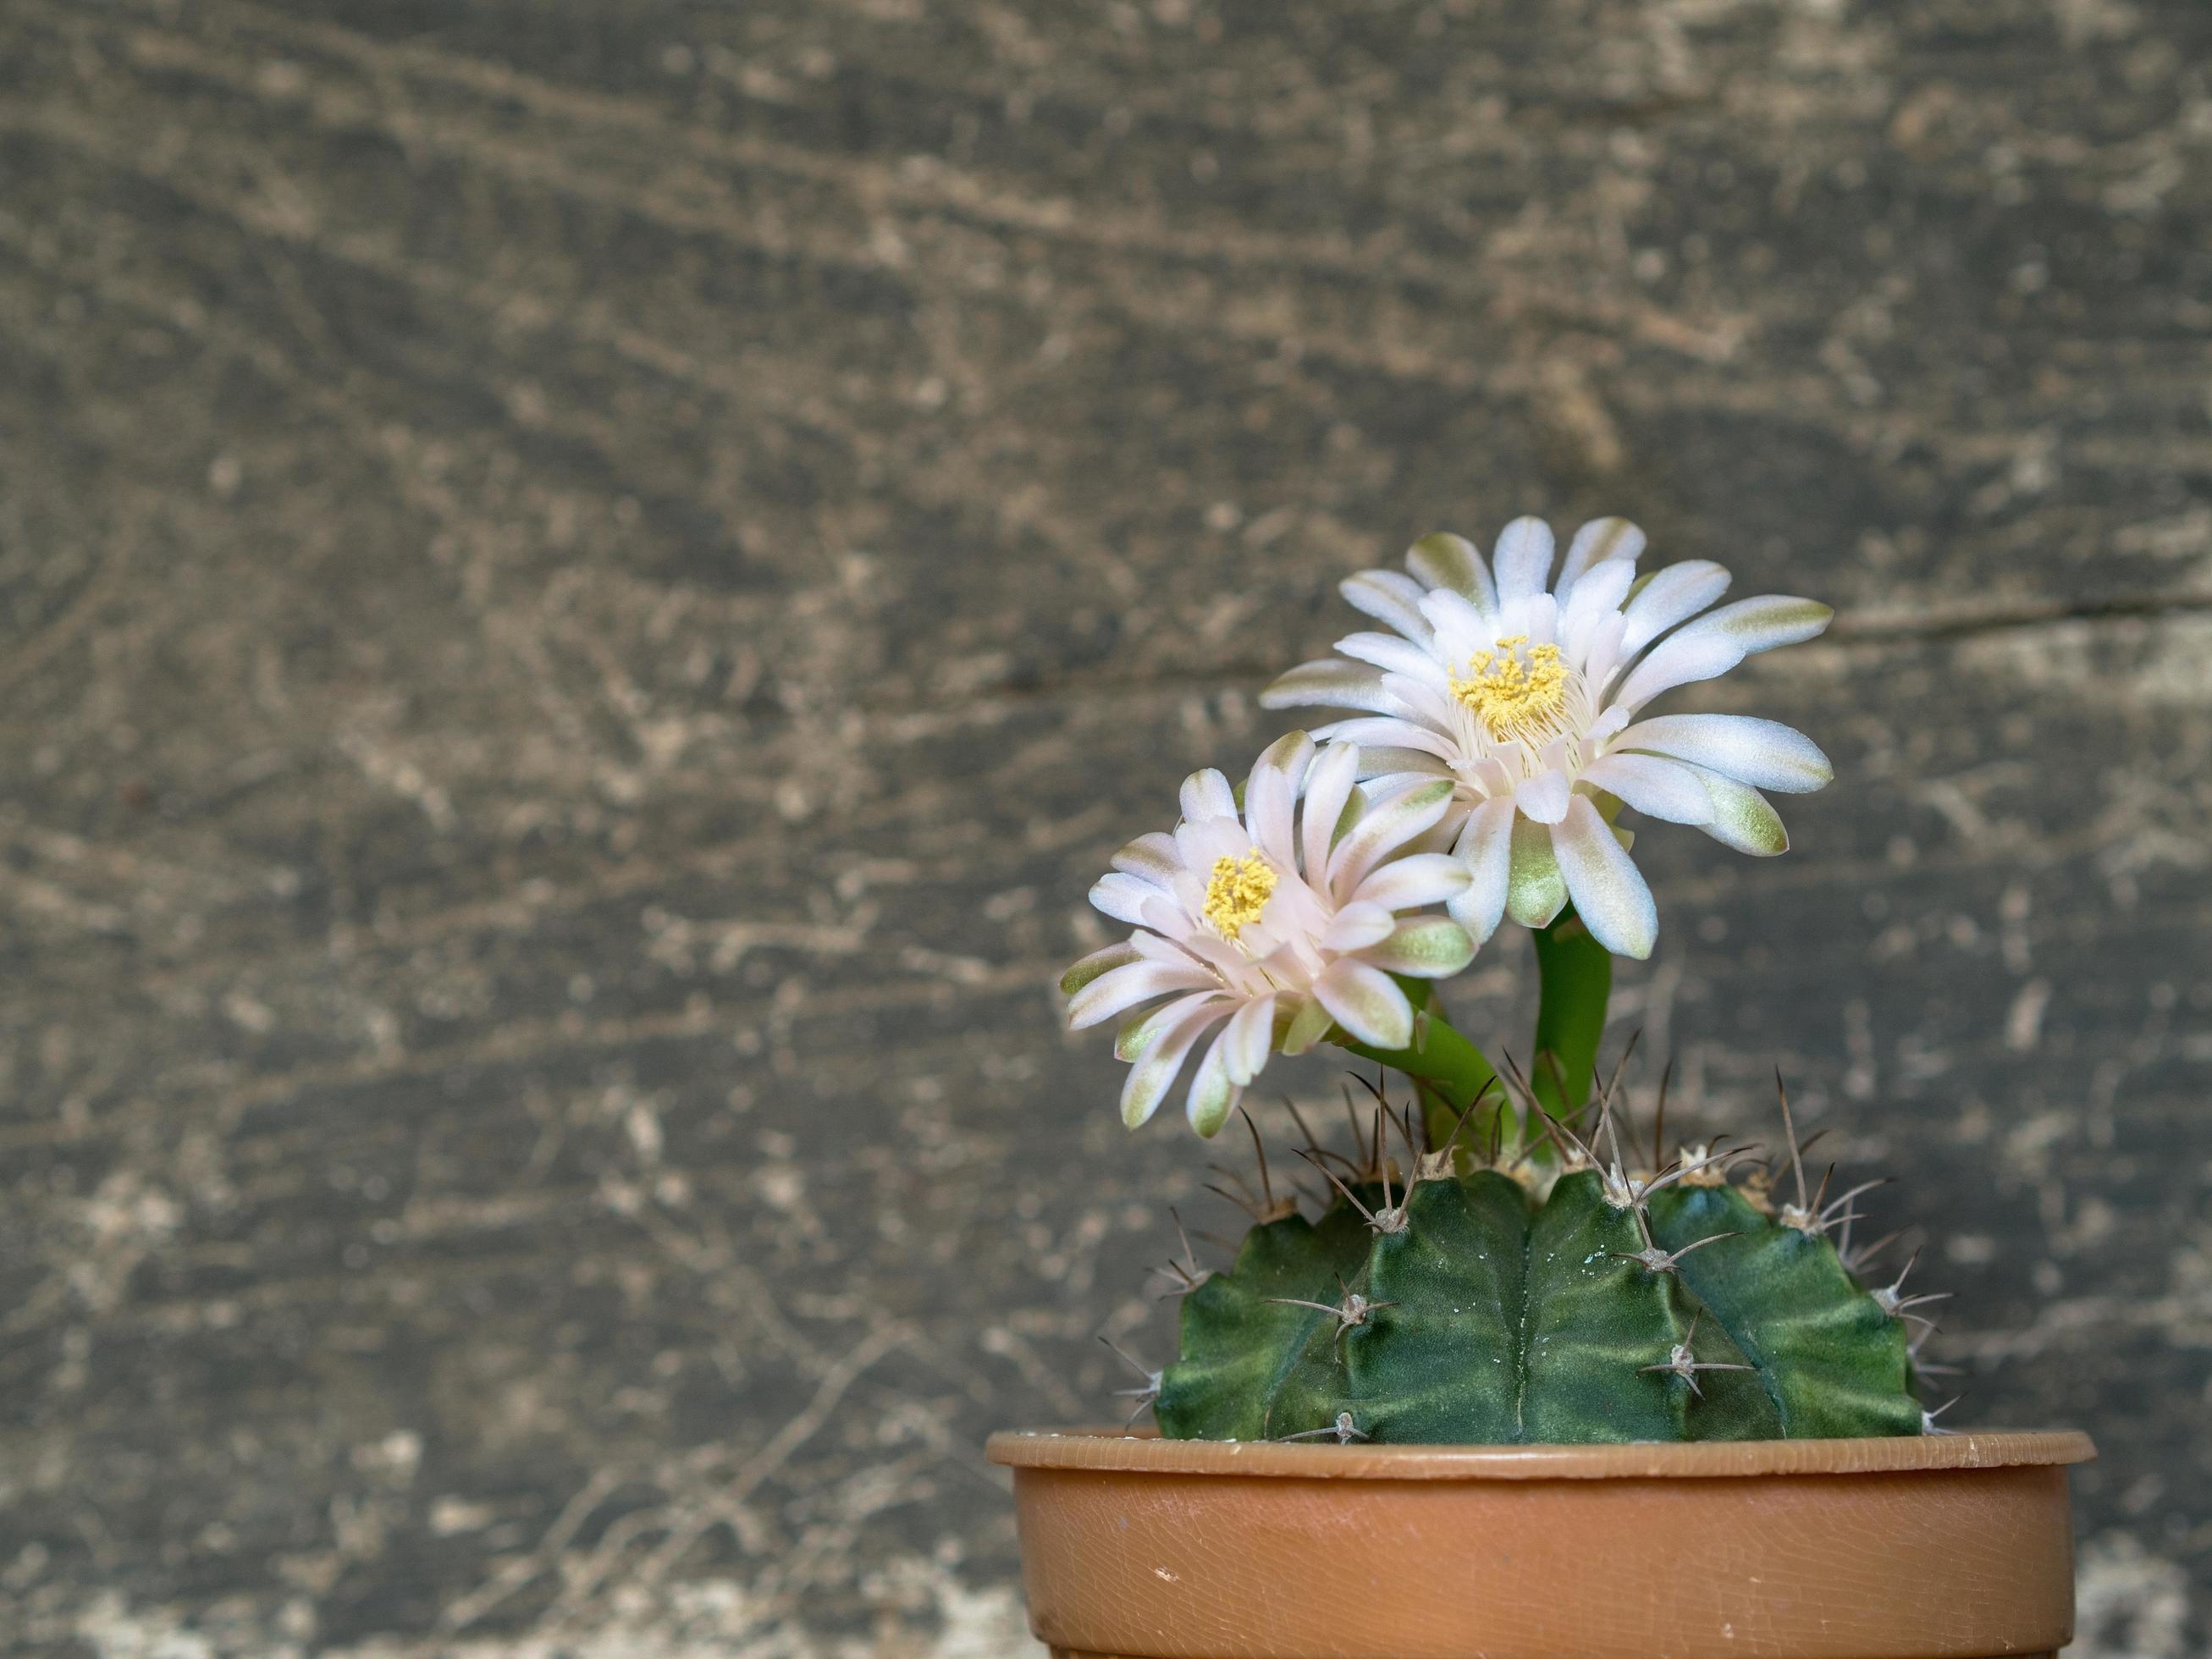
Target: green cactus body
column 1475, row 1314
column 1831, row 1359
column 1255, row 1364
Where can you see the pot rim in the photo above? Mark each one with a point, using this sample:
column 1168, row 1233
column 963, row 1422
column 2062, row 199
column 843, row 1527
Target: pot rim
column 1113, row 1450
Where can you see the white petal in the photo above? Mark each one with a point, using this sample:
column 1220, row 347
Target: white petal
column 1544, row 797
column 1408, row 883
column 1393, row 656
column 1201, row 843
column 1392, row 770
column 1356, row 926
column 1673, row 595
column 1124, row 988
column 1609, row 894
column 1082, row 972
column 1764, row 754
column 1151, row 858
column 1380, row 733
column 1486, row 848
column 1366, row 1003
column 1655, row 788
column 1206, row 795
column 1140, row 1030
column 1329, row 785
column 1743, row 818
column 1451, row 562
column 1539, row 619
column 1425, row 947
column 1522, row 558
column 1717, row 643
column 1154, row 1072
column 1600, row 652
column 1772, row 619
column 1388, row 597
column 1411, row 766
column 1462, row 627
column 1213, row 1095
column 1596, row 597
column 1677, row 661
column 1424, row 702
column 1151, row 947
column 1171, row 916
column 1248, row 1039
column 1123, row 897
column 1331, row 682
column 1271, row 796
column 1383, row 829
column 1535, row 891
column 1602, row 541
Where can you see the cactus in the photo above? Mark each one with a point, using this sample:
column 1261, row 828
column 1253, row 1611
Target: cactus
column 1508, row 1302
column 1536, row 1291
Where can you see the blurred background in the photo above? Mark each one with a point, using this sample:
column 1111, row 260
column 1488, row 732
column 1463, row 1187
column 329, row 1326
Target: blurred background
column 583, row 590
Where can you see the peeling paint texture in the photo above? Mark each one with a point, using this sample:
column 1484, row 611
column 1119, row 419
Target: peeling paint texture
column 583, row 589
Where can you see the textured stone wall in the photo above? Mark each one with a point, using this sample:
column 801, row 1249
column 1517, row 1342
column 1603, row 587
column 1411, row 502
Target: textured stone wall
column 584, row 588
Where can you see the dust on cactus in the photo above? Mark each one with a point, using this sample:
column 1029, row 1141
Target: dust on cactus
column 1486, row 1266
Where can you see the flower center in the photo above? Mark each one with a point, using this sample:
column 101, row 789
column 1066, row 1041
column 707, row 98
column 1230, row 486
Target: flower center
column 1517, row 690
column 1237, row 892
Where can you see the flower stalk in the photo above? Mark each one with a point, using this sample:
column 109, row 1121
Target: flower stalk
column 1574, row 977
column 1448, row 1072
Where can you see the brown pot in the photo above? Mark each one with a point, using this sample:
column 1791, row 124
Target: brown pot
column 1137, row 1547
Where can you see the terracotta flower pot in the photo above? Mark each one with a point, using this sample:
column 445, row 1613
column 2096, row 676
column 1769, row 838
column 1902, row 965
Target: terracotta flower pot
column 1143, row 1548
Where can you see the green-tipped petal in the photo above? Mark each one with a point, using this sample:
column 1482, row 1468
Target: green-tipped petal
column 1610, row 894
column 1098, row 963
column 1142, row 1028
column 1212, row 1095
column 1307, row 1027
column 1427, row 947
column 1384, row 828
column 1367, row 1003
column 1596, row 542
column 1355, row 807
column 1150, row 857
column 1154, row 1072
column 1772, row 619
column 1332, row 682
column 1446, row 561
column 1535, row 891
column 1742, row 818
column 1764, row 754
column 1388, row 597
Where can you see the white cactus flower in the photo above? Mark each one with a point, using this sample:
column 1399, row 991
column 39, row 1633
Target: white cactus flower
column 1523, row 692
column 1267, row 924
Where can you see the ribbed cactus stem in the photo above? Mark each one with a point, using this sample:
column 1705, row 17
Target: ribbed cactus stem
column 1477, row 1307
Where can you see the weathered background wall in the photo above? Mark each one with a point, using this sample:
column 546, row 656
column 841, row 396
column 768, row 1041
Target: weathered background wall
column 586, row 587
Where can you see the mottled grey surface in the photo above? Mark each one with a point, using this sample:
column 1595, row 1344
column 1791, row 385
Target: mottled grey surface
column 583, row 589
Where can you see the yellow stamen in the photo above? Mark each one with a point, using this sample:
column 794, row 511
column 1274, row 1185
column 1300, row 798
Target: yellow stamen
column 1237, row 893
column 1515, row 693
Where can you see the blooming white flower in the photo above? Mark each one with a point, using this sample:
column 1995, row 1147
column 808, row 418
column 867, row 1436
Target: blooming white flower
column 1269, row 922
column 1522, row 692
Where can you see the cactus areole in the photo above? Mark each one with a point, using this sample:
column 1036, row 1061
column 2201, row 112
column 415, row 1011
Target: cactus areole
column 1498, row 1254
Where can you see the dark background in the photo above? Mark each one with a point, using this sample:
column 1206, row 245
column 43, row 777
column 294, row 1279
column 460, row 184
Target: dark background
column 584, row 589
